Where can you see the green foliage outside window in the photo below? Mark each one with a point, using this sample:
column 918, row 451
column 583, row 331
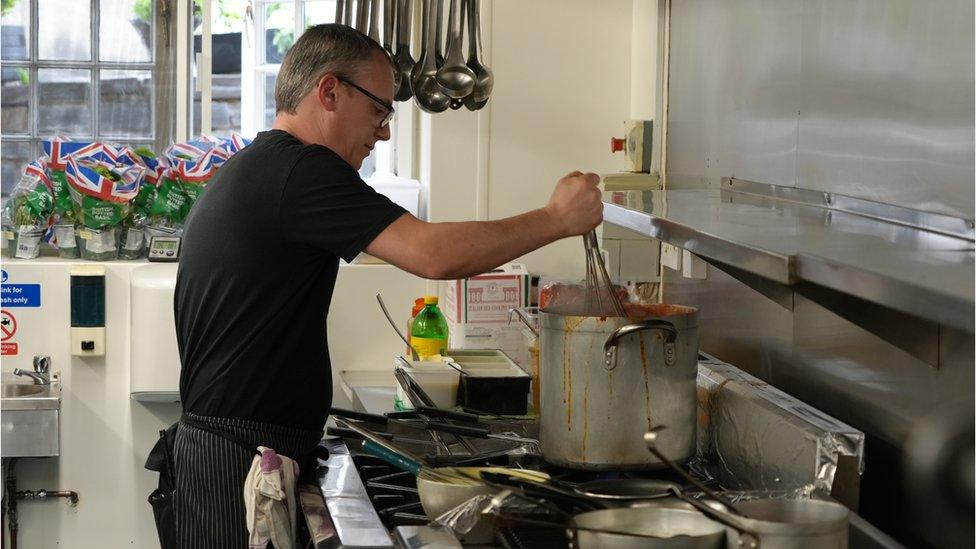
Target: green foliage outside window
column 7, row 6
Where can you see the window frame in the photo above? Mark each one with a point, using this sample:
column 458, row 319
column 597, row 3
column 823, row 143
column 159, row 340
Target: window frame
column 156, row 67
column 254, row 72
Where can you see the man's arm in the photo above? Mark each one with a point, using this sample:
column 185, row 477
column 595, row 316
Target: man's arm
column 458, row 250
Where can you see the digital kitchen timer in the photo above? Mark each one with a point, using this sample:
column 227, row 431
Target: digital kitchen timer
column 164, row 248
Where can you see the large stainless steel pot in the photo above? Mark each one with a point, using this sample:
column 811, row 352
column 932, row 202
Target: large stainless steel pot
column 607, row 381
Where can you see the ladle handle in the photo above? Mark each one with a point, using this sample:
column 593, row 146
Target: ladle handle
column 404, row 18
column 454, row 32
column 474, row 30
column 432, row 10
column 374, row 31
column 413, row 352
column 362, row 15
column 389, row 16
column 650, row 439
column 340, row 11
column 750, row 540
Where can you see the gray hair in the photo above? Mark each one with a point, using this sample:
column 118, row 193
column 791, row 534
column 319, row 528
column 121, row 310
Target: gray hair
column 322, row 49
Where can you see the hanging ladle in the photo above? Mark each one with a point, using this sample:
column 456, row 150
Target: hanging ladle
column 404, row 62
column 374, row 29
column 455, row 77
column 484, row 81
column 389, row 42
column 429, row 94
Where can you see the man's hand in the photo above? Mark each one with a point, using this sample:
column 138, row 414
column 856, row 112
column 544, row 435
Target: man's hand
column 575, row 205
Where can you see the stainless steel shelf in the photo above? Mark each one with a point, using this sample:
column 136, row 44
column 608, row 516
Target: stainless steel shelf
column 867, row 250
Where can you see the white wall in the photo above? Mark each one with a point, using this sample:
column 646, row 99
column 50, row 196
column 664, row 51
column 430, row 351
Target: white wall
column 562, row 89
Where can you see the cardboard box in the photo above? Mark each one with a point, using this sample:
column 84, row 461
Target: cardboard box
column 476, row 309
column 485, row 299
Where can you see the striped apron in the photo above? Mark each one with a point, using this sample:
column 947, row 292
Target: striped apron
column 210, row 473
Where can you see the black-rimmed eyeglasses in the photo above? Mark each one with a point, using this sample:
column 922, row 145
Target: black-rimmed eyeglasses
column 388, row 107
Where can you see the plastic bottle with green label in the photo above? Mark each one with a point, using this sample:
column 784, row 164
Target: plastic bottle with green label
column 428, row 335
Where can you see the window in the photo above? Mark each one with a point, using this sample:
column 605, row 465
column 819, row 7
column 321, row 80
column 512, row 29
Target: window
column 85, row 68
column 249, row 39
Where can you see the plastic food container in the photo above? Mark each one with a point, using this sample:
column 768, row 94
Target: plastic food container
column 492, row 382
column 438, row 380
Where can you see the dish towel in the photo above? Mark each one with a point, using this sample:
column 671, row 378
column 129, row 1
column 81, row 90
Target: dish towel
column 269, row 500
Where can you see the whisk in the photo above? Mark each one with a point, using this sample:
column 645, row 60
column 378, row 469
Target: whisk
column 601, row 296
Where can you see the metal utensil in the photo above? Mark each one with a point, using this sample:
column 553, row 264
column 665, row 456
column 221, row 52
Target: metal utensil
column 389, row 15
column 349, row 433
column 454, row 76
column 413, row 352
column 438, row 25
column 398, row 456
column 362, row 15
column 374, row 31
column 601, row 296
column 479, row 432
column 404, row 62
column 484, row 81
column 650, row 439
column 429, row 94
column 340, row 12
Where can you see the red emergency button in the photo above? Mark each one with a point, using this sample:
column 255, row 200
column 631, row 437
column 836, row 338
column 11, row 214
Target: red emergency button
column 617, row 144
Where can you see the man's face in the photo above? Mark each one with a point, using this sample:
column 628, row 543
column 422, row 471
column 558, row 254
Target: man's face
column 360, row 116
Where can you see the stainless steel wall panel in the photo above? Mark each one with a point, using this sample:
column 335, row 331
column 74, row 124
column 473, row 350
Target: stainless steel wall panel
column 868, row 98
column 887, row 102
column 836, row 364
column 734, row 93
column 736, row 323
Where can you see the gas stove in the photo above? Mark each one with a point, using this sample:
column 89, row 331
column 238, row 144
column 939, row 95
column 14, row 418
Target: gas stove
column 373, row 504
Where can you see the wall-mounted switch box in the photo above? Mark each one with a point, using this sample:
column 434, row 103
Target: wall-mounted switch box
column 671, row 256
column 693, row 266
column 87, row 310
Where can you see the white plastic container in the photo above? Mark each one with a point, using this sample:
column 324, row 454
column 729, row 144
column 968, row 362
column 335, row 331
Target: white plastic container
column 438, row 380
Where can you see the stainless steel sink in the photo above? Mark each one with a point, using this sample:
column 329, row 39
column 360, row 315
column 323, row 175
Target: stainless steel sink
column 31, row 417
column 21, row 389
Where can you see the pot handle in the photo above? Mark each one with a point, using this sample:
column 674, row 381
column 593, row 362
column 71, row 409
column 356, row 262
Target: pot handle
column 527, row 315
column 610, row 347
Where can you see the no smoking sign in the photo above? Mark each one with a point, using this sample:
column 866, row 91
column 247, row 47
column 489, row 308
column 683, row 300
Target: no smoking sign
column 8, row 327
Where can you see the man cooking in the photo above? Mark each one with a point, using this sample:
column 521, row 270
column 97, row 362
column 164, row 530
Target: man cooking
column 259, row 261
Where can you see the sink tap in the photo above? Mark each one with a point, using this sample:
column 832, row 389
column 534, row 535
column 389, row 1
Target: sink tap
column 41, row 374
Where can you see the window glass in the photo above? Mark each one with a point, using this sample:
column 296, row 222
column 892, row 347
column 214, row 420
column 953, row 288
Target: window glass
column 64, row 32
column 125, row 30
column 15, row 155
column 64, row 102
column 279, row 25
column 15, row 30
column 125, row 103
column 318, row 12
column 15, row 101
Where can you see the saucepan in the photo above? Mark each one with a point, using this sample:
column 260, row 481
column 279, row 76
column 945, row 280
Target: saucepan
column 768, row 523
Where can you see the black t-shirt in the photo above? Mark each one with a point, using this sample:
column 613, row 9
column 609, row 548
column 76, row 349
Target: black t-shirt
column 259, row 261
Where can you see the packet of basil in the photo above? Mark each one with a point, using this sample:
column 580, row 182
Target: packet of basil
column 103, row 184
column 27, row 213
